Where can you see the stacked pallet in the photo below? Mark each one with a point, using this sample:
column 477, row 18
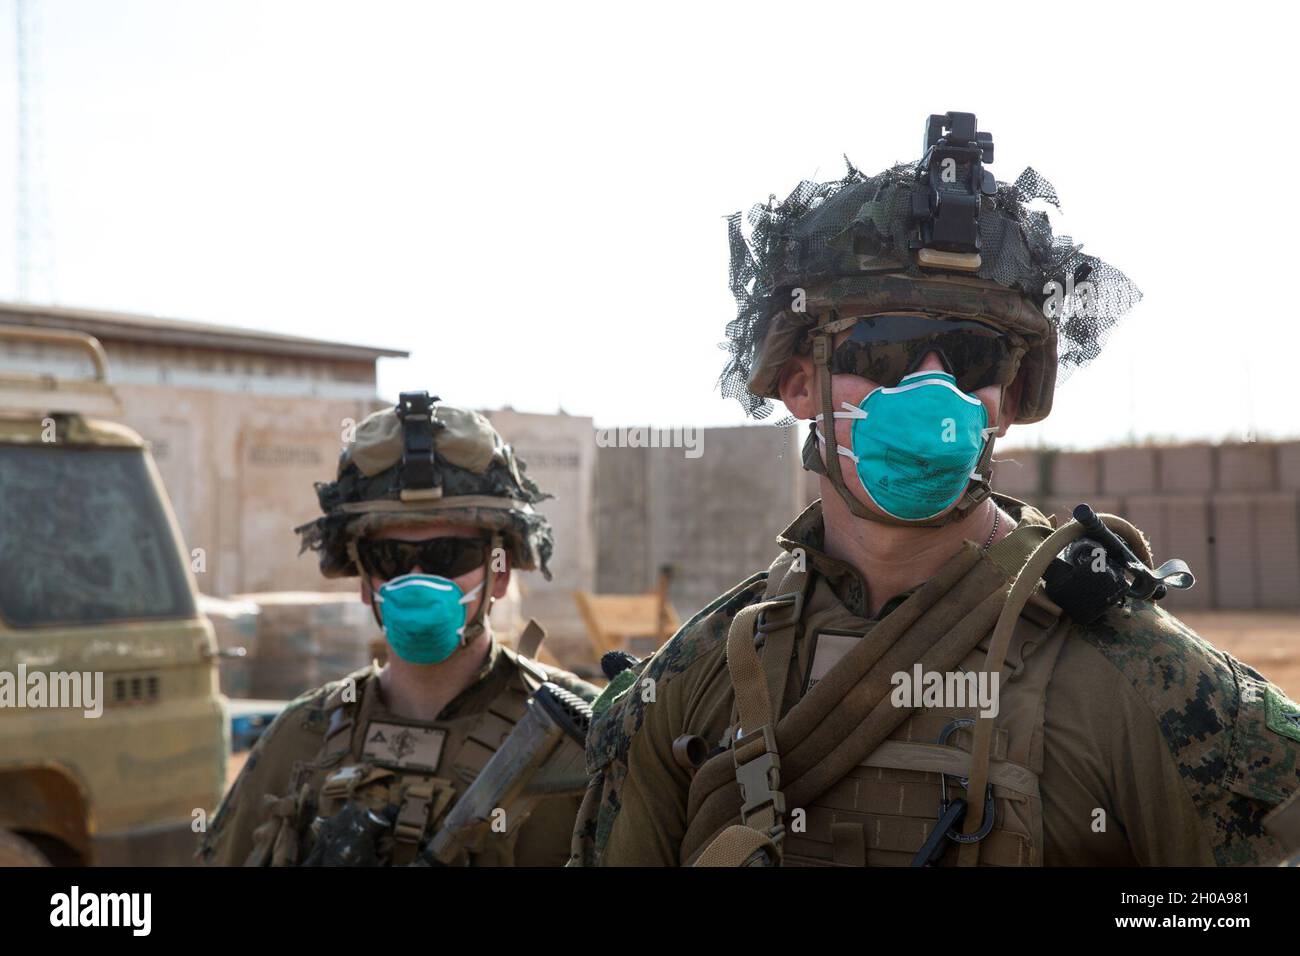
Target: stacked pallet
column 305, row 639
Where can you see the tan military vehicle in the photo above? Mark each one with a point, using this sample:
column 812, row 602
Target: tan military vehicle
column 95, row 587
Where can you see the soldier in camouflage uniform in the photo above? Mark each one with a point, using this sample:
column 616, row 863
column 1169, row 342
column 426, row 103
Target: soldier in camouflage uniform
column 912, row 317
column 432, row 511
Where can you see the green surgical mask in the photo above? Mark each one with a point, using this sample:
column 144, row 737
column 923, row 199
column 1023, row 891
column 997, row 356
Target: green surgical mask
column 424, row 616
column 916, row 444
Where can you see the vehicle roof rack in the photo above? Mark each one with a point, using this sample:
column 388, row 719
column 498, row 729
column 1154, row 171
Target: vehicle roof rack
column 45, row 393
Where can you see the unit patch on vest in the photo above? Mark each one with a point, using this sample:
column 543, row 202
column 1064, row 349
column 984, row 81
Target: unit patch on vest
column 829, row 648
column 403, row 746
column 1282, row 715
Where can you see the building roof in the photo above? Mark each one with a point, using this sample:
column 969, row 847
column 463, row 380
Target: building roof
column 155, row 330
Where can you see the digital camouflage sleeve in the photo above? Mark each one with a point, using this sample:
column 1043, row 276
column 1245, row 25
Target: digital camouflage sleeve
column 1232, row 735
column 1185, row 748
column 294, row 735
column 622, row 707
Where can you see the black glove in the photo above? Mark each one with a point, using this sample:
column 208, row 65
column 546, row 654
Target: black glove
column 351, row 837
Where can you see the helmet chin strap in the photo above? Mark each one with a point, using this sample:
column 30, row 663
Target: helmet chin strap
column 366, row 587
column 475, row 628
column 977, row 490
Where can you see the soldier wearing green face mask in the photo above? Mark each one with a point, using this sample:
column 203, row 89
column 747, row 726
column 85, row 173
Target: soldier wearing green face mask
column 918, row 678
column 432, row 511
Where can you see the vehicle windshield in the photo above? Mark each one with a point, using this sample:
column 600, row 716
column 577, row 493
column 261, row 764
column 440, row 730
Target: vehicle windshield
column 84, row 539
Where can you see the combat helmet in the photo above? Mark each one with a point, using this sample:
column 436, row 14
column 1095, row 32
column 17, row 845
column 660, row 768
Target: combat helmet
column 940, row 237
column 424, row 462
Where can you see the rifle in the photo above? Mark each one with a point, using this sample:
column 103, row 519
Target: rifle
column 542, row 757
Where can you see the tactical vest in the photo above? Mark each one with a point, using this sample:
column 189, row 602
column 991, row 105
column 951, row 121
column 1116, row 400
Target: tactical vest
column 879, row 806
column 378, row 761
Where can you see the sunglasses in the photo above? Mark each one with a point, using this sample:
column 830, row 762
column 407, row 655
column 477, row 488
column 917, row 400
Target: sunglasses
column 884, row 348
column 388, row 558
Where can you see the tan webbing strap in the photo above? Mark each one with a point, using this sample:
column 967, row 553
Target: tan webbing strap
column 736, row 846
column 941, row 758
column 779, row 626
column 1013, row 552
column 342, row 727
column 835, row 725
column 422, row 803
column 747, row 678
column 759, row 689
column 982, row 744
column 755, row 761
column 412, row 818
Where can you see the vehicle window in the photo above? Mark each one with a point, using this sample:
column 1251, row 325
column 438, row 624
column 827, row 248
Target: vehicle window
column 84, row 540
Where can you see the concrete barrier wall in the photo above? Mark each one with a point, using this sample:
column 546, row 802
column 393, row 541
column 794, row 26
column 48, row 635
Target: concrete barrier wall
column 714, row 517
column 560, row 454
column 1231, row 511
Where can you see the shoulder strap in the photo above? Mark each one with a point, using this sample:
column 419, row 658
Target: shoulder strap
column 759, row 688
column 1046, row 544
column 778, row 625
column 341, row 714
column 979, row 588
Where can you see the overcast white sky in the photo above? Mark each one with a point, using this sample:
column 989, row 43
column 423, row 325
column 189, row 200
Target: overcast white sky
column 530, row 197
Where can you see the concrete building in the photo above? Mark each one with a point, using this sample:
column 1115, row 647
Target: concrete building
column 241, row 423
column 712, row 515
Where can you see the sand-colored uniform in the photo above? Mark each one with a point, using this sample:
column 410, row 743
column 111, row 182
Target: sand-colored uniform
column 1128, row 742
column 333, row 745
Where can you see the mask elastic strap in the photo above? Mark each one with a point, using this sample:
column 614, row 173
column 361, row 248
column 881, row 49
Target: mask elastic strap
column 850, row 411
column 982, row 474
column 840, row 449
column 465, row 599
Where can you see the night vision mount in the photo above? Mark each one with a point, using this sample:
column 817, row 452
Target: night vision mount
column 419, row 477
column 950, row 180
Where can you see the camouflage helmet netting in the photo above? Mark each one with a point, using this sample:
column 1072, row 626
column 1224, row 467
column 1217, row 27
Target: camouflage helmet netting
column 823, row 230
column 526, row 533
